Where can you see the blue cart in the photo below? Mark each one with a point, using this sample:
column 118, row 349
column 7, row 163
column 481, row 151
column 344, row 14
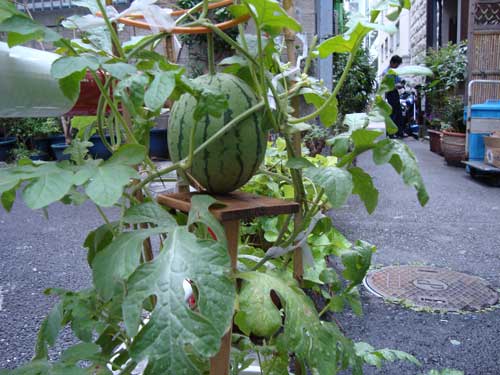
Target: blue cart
column 481, row 120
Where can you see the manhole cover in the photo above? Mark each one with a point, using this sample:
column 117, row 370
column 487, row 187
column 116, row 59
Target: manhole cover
column 431, row 287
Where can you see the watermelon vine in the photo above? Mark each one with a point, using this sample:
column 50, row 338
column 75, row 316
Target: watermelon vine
column 136, row 316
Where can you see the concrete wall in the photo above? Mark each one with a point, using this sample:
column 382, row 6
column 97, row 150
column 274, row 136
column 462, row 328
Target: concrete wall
column 388, row 45
column 418, row 31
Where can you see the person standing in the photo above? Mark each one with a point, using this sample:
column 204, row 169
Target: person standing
column 392, row 97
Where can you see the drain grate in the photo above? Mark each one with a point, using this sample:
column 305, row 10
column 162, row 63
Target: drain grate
column 432, row 287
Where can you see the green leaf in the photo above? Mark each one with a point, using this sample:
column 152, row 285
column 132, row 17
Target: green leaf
column 70, row 85
column 49, row 331
column 375, row 357
column 67, row 65
column 120, row 70
column 200, row 213
column 210, row 103
column 336, row 182
column 50, row 183
column 363, row 186
column 7, row 198
column 109, row 178
column 36, row 367
column 235, row 59
column 84, row 351
column 98, row 239
column 328, row 115
column 384, row 110
column 356, row 121
column 269, row 15
column 149, row 212
column 357, row 261
column 261, row 316
column 360, row 27
column 340, row 144
column 78, row 150
column 117, row 261
column 412, row 70
column 160, row 89
column 364, row 139
column 173, row 327
column 7, row 10
column 297, row 128
column 22, row 29
column 400, row 156
column 107, row 183
column 298, row 163
column 317, row 343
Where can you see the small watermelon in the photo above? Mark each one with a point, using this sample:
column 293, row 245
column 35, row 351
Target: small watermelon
column 233, row 159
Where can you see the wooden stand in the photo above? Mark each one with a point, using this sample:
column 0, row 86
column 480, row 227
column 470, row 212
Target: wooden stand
column 238, row 206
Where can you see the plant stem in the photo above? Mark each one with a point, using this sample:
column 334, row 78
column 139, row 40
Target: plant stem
column 335, row 92
column 103, row 215
column 211, row 57
column 114, row 36
column 307, row 64
column 128, row 368
column 275, row 176
column 113, row 107
column 144, row 43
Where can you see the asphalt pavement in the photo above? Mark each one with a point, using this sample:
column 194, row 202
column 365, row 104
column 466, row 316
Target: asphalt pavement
column 459, row 229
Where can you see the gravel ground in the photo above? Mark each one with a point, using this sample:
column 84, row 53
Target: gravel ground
column 459, row 229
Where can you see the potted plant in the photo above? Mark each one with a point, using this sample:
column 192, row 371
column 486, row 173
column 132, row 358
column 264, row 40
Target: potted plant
column 217, row 137
column 7, row 138
column 453, row 128
column 449, row 68
column 435, row 133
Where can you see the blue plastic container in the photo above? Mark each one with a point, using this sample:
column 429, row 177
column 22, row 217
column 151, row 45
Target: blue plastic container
column 489, row 109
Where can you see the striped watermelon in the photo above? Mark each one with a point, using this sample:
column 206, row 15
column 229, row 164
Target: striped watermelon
column 231, row 161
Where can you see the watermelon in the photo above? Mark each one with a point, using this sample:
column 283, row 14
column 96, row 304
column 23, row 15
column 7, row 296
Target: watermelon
column 228, row 163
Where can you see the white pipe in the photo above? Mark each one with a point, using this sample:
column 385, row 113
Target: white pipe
column 27, row 89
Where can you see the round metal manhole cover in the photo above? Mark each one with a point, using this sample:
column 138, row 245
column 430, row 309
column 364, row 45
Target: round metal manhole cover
column 432, row 287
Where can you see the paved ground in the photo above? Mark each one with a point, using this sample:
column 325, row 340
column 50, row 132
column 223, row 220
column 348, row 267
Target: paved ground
column 458, row 229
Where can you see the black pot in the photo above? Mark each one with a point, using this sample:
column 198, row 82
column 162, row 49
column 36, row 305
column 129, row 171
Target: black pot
column 42, row 145
column 158, row 143
column 58, row 149
column 6, row 146
column 98, row 150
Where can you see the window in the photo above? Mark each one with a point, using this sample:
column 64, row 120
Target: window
column 397, row 35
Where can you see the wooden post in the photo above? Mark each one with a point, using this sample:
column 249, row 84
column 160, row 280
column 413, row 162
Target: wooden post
column 238, row 206
column 298, row 266
column 220, row 363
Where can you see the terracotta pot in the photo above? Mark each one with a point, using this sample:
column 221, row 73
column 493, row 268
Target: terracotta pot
column 453, row 147
column 435, row 141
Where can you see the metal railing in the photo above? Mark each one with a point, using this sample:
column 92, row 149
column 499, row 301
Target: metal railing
column 41, row 5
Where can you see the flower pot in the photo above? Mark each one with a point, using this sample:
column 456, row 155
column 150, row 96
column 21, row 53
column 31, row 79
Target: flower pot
column 454, row 148
column 435, row 141
column 6, row 146
column 58, row 149
column 42, row 145
column 158, row 143
column 98, row 150
column 55, row 139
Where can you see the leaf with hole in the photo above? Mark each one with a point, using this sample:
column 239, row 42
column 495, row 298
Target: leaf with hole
column 173, row 327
